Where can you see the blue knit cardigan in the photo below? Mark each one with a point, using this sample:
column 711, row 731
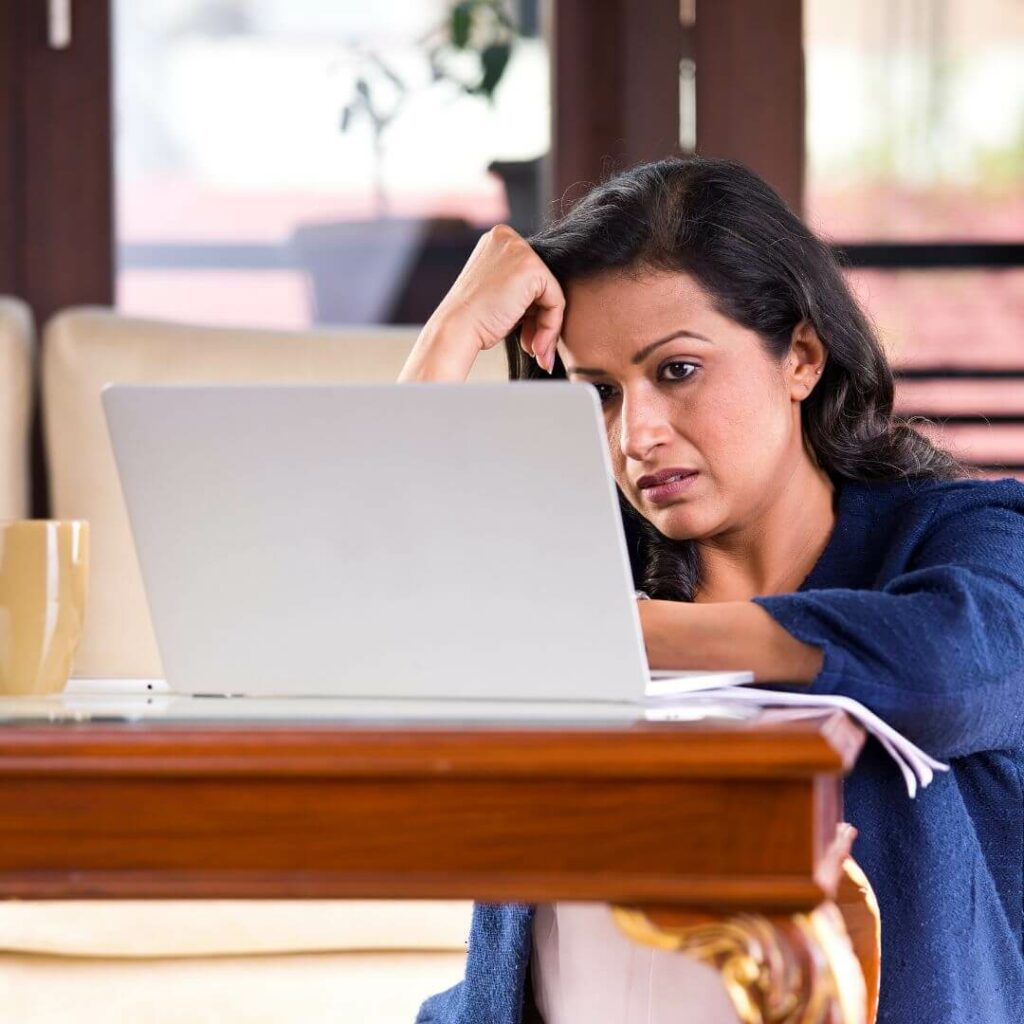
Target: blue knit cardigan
column 918, row 605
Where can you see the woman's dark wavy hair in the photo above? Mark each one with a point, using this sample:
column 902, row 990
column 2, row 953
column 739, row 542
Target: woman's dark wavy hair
column 718, row 222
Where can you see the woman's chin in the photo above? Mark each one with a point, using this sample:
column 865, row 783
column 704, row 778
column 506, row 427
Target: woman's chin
column 678, row 523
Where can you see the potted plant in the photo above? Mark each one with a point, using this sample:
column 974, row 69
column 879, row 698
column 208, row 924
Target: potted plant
column 395, row 269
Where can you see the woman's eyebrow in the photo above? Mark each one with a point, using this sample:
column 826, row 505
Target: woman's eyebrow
column 640, row 356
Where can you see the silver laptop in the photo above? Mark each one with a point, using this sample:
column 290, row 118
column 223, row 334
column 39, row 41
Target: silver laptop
column 397, row 543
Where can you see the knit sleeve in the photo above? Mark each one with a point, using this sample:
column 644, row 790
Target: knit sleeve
column 938, row 651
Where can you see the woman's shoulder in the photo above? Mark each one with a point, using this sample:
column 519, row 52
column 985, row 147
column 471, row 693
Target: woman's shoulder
column 923, row 499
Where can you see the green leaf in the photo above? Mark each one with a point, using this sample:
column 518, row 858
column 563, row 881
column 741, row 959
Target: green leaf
column 494, row 59
column 461, row 22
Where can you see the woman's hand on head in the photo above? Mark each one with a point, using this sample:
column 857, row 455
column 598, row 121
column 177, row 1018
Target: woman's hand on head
column 503, row 283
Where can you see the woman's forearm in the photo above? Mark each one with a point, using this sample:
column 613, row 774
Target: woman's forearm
column 444, row 351
column 725, row 635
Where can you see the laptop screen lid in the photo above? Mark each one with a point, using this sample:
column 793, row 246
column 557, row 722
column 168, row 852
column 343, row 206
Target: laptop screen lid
column 409, row 541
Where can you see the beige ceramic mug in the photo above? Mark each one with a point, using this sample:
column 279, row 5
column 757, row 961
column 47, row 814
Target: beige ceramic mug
column 44, row 565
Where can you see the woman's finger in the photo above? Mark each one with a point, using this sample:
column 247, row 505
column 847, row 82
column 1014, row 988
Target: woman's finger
column 544, row 345
column 549, row 323
column 528, row 335
column 548, row 320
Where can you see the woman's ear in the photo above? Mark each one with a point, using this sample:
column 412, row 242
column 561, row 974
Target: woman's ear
column 806, row 361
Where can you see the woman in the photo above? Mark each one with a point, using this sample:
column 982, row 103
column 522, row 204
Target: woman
column 782, row 520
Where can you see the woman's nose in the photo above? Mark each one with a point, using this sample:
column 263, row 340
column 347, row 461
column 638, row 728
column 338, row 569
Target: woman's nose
column 645, row 425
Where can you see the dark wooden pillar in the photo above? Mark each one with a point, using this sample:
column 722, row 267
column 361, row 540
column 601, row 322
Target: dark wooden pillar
column 56, row 169
column 750, row 88
column 615, row 87
column 56, row 181
column 10, row 149
column 69, row 187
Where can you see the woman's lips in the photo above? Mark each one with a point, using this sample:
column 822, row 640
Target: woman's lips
column 660, row 494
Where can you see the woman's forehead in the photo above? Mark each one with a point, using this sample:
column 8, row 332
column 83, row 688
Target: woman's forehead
column 617, row 311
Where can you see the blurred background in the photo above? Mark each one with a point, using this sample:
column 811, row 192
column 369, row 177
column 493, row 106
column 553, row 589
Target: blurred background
column 287, row 163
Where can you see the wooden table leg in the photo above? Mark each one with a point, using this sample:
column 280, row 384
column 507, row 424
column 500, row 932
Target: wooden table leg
column 796, row 969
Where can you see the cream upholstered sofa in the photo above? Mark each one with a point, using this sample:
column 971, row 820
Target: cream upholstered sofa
column 87, row 348
column 17, row 387
column 233, row 961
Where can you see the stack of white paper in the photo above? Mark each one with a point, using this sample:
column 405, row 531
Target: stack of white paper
column 677, row 695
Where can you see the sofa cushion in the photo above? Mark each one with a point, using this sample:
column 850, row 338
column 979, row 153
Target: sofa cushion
column 197, row 928
column 87, row 348
column 17, row 356
column 345, row 988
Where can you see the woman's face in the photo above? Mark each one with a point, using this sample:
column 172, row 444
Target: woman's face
column 684, row 389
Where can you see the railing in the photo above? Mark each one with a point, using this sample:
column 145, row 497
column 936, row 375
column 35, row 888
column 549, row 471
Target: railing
column 950, row 256
column 994, row 419
column 931, row 255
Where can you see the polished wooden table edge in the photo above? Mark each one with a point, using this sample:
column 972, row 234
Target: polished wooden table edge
column 828, row 744
column 719, row 840
column 770, row 893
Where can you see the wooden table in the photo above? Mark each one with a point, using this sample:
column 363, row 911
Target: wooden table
column 720, row 840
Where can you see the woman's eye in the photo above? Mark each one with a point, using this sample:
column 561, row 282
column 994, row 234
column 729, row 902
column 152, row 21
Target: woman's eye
column 679, row 370
column 674, row 371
